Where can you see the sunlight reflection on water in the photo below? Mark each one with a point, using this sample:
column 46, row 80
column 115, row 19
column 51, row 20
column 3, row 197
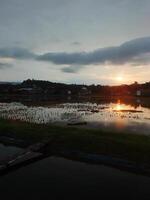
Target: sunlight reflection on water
column 119, row 114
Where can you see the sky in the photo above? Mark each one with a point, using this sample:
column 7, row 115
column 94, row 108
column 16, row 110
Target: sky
column 75, row 41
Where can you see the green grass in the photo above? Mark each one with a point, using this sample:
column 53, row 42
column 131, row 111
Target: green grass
column 123, row 145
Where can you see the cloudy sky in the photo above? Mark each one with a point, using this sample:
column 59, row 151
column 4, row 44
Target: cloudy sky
column 82, row 41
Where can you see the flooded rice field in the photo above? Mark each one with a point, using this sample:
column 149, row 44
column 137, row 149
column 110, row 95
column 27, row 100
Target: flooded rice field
column 117, row 115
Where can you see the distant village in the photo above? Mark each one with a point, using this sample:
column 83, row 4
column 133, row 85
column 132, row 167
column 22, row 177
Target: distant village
column 49, row 89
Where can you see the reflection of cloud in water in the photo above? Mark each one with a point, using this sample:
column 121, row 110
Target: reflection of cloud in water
column 96, row 115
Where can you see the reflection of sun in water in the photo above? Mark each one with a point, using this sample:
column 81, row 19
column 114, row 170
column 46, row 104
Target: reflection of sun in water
column 118, row 107
column 122, row 107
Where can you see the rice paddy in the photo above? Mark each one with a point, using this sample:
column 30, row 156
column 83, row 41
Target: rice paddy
column 87, row 114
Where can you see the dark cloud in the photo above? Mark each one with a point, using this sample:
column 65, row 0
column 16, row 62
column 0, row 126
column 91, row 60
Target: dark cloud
column 62, row 58
column 5, row 65
column 125, row 53
column 76, row 43
column 16, row 52
column 133, row 52
column 67, row 70
column 72, row 69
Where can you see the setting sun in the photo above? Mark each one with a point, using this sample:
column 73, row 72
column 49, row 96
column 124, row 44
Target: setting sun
column 119, row 78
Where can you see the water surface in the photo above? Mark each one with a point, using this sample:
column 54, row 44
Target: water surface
column 59, row 178
column 118, row 115
column 8, row 152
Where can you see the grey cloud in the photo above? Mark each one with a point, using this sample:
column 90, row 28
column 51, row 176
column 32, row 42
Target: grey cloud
column 63, row 58
column 17, row 53
column 72, row 69
column 122, row 54
column 67, row 70
column 133, row 51
column 76, row 43
column 5, row 65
